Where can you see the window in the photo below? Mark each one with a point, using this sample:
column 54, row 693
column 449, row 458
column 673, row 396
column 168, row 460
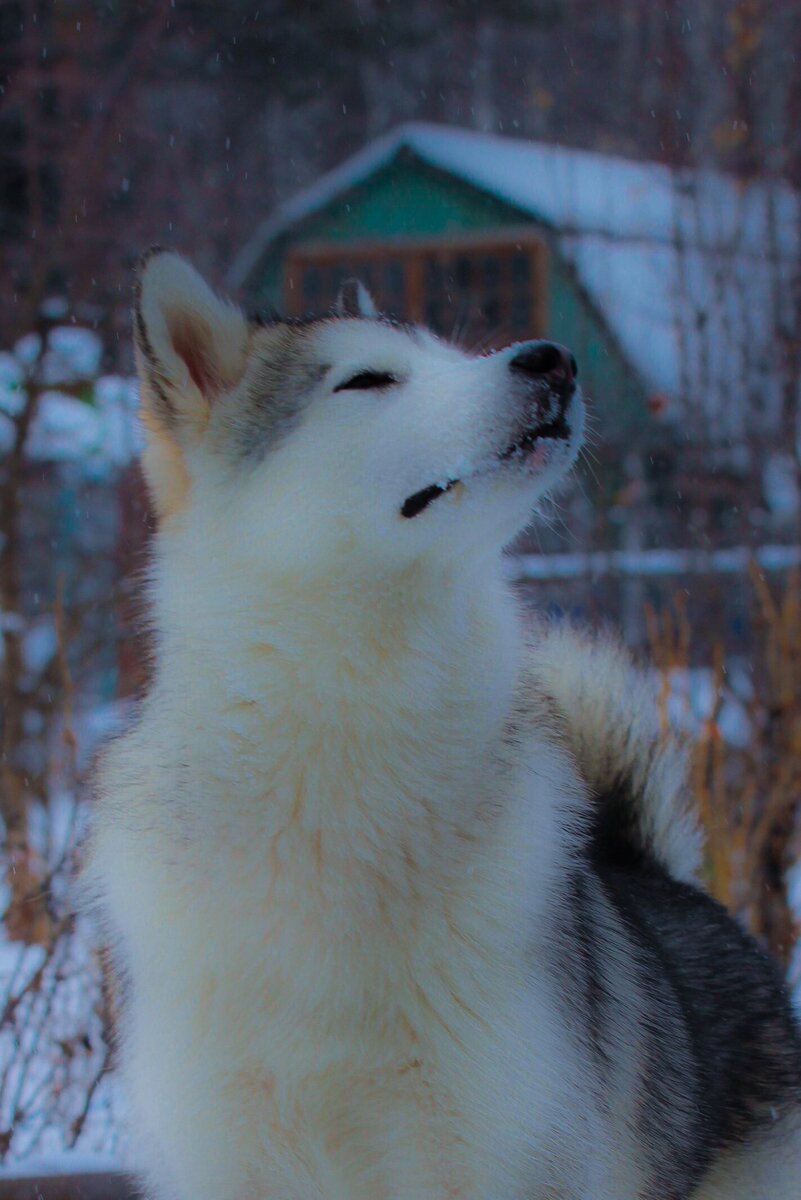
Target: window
column 483, row 292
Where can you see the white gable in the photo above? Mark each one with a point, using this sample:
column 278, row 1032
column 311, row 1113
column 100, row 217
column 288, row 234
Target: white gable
column 691, row 270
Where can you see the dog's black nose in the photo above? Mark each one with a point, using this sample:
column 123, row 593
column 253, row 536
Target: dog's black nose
column 548, row 361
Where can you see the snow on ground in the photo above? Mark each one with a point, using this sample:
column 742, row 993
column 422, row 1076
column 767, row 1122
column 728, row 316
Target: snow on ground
column 734, row 560
column 70, row 1162
column 60, row 1047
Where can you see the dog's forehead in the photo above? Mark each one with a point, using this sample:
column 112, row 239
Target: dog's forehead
column 370, row 342
column 288, row 361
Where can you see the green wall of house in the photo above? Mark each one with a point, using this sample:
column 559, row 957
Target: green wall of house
column 407, row 198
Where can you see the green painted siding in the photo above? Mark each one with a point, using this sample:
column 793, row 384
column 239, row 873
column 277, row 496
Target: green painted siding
column 616, row 395
column 407, row 198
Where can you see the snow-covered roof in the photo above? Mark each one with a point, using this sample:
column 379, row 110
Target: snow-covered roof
column 690, row 269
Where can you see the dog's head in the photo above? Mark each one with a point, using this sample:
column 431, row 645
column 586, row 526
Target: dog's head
column 348, row 433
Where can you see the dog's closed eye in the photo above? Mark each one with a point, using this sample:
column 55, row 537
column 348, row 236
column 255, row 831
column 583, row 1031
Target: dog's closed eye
column 366, row 380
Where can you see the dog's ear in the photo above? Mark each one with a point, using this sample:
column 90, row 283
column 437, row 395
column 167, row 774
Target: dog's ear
column 354, row 300
column 191, row 347
column 190, row 343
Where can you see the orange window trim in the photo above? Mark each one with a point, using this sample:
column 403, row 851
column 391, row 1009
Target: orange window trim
column 413, row 252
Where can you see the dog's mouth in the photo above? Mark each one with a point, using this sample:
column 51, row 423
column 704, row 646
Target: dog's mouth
column 414, row 505
column 529, row 443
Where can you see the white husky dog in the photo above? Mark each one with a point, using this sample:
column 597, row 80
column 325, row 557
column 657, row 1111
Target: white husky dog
column 399, row 911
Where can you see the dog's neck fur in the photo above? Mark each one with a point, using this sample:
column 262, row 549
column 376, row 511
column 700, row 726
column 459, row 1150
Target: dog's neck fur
column 346, row 736
column 370, row 682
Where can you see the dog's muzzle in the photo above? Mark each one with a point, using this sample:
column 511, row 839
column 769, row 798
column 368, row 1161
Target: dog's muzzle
column 549, row 372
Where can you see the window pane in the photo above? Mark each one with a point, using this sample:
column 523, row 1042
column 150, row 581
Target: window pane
column 521, row 315
column 395, row 284
column 521, row 268
column 482, row 295
column 312, row 284
column 463, row 273
column 492, row 272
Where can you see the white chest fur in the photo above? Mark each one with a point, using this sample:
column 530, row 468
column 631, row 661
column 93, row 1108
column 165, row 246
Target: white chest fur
column 324, row 906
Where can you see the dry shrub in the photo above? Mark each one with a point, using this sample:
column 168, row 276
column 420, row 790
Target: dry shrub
column 54, row 997
column 748, row 789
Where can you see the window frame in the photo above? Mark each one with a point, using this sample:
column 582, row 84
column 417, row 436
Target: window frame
column 414, row 252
